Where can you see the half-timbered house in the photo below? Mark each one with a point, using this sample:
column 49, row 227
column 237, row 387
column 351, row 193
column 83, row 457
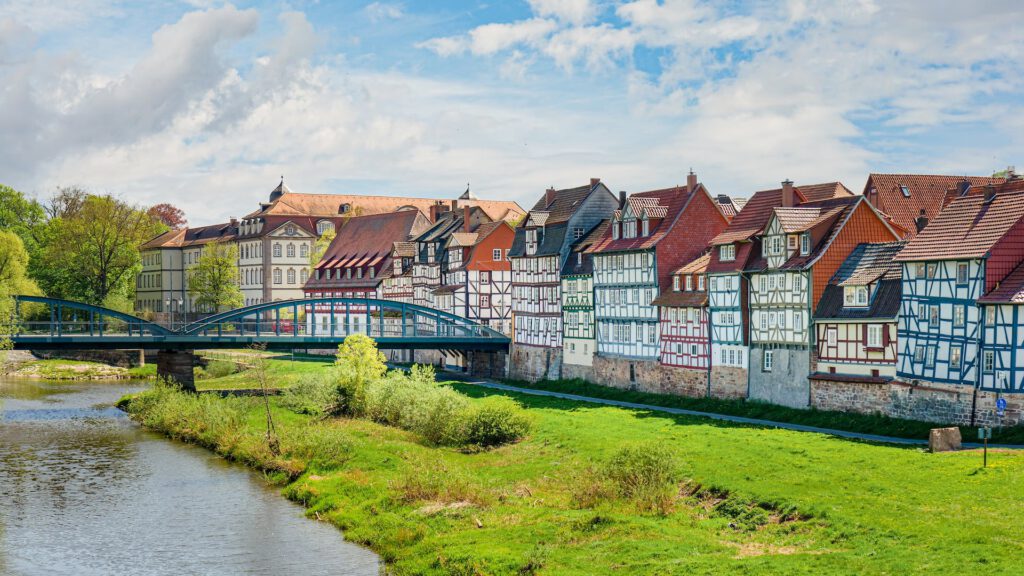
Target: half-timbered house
column 683, row 317
column 397, row 285
column 731, row 252
column 912, row 200
column 650, row 237
column 1002, row 350
column 802, row 248
column 540, row 248
column 478, row 275
column 579, row 342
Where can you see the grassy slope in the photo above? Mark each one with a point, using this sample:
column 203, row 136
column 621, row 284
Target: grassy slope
column 877, row 509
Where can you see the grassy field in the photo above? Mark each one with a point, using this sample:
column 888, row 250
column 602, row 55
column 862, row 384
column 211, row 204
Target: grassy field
column 832, row 506
column 58, row 369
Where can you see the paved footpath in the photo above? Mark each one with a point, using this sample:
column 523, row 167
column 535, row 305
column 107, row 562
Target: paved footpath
column 714, row 416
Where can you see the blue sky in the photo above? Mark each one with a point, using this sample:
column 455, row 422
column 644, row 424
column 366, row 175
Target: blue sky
column 206, row 104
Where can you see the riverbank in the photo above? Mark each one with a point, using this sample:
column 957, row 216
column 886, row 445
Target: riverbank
column 76, row 370
column 749, row 500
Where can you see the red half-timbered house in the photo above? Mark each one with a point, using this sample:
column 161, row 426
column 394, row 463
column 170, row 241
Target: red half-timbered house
column 683, row 317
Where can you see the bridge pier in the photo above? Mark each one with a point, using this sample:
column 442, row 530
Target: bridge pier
column 177, row 366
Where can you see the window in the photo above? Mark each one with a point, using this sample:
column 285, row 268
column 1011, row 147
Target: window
column 929, row 359
column 805, row 243
column 496, row 254
column 304, row 251
column 769, row 360
column 874, row 335
column 615, row 231
column 700, row 282
column 855, row 295
column 919, row 270
column 832, row 336
column 689, row 283
column 919, row 353
column 713, row 283
column 485, row 301
column 277, row 250
column 291, row 276
column 675, row 283
column 922, row 312
column 727, row 253
column 323, row 226
column 958, row 316
column 646, row 227
column 724, row 357
column 905, row 190
column 954, row 358
column 989, row 361
column 485, row 277
column 291, row 251
column 931, row 270
column 776, row 245
column 277, row 275
column 792, row 241
column 961, row 273
column 764, row 321
column 373, row 272
column 933, row 315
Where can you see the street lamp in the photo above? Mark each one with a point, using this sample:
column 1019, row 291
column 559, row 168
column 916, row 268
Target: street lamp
column 170, row 316
column 180, row 312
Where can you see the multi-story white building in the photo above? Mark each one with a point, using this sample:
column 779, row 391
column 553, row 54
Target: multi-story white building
column 579, row 336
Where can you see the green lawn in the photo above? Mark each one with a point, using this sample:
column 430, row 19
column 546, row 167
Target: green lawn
column 859, row 508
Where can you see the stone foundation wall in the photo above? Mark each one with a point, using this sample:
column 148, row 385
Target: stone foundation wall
column 728, row 382
column 649, row 376
column 860, row 397
column 578, row 372
column 122, row 358
column 534, row 363
column 488, row 364
column 786, row 384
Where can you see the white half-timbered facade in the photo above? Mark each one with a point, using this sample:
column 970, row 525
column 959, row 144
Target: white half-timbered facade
column 579, row 340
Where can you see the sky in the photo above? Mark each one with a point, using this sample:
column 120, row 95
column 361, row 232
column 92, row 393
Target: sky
column 207, row 104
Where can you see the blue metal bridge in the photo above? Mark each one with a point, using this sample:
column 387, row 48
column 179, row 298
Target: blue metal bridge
column 51, row 324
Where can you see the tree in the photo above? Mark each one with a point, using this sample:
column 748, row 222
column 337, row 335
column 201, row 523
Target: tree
column 23, row 216
column 14, row 280
column 92, row 247
column 320, row 247
column 358, row 364
column 172, row 216
column 214, row 281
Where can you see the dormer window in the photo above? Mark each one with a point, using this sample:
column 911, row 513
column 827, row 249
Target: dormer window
column 776, row 245
column 905, row 191
column 348, row 273
column 689, row 283
column 373, row 272
column 855, row 296
column 793, row 241
column 727, row 252
column 700, row 282
column 579, row 258
column 805, row 243
column 646, row 227
column 344, row 208
column 323, row 226
column 615, row 230
column 675, row 283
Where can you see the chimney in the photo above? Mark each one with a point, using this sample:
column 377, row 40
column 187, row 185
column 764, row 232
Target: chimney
column 691, row 182
column 435, row 211
column 234, row 222
column 622, row 199
column 990, row 192
column 594, row 182
column 788, row 195
column 963, row 187
column 465, row 218
column 921, row 221
column 455, row 205
column 1011, row 173
column 549, row 197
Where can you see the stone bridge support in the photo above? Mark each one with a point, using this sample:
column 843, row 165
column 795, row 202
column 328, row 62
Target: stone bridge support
column 177, row 366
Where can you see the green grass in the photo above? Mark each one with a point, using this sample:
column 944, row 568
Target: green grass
column 864, row 423
column 753, row 500
column 281, row 373
column 60, row 369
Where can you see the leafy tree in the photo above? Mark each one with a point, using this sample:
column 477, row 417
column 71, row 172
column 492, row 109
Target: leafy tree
column 14, row 280
column 214, row 281
column 23, row 216
column 358, row 364
column 171, row 216
column 67, row 202
column 320, row 247
column 92, row 247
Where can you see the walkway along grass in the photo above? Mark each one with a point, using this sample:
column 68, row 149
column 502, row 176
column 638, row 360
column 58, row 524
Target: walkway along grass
column 741, row 500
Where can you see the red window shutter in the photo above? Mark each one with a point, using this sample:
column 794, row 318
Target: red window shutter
column 864, row 334
column 885, row 335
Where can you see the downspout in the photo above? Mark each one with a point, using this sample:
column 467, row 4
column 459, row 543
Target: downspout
column 746, row 333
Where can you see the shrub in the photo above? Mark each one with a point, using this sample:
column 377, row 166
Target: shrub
column 641, row 470
column 359, row 364
column 218, row 369
column 314, row 394
column 495, row 420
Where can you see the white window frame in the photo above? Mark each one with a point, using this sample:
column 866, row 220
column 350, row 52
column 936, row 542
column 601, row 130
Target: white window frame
column 769, row 361
column 988, row 363
column 727, row 252
column 875, row 335
column 832, row 336
column 805, row 243
column 496, row 254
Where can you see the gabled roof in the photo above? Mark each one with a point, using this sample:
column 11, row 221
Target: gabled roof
column 923, row 192
column 186, row 237
column 330, row 205
column 698, row 265
column 404, row 250
column 969, row 227
column 756, row 211
column 365, row 238
column 824, row 229
column 803, row 218
column 1009, row 291
column 818, row 192
column 581, row 246
column 563, row 203
column 869, row 262
column 673, row 200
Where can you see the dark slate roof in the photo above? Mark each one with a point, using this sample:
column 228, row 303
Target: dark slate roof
column 553, row 210
column 550, row 242
column 866, row 264
column 580, row 247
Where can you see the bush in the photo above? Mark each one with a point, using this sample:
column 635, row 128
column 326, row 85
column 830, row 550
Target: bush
column 217, row 369
column 359, row 364
column 495, row 420
column 314, row 394
column 643, row 470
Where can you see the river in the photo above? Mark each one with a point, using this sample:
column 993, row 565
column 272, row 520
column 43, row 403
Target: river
column 84, row 490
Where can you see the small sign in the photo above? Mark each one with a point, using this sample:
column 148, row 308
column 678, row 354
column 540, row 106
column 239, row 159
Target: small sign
column 984, row 433
column 1001, row 406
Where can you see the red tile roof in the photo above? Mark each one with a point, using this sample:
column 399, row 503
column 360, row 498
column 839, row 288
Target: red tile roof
column 696, row 266
column 927, row 192
column 330, row 205
column 1010, row 290
column 754, row 216
column 668, row 201
column 969, row 227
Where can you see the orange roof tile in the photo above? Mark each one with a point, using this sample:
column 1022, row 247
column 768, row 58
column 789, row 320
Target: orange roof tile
column 923, row 192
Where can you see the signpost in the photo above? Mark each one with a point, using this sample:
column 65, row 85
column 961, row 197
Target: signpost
column 984, row 433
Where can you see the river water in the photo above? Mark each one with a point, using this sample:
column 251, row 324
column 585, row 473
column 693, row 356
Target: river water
column 84, row 490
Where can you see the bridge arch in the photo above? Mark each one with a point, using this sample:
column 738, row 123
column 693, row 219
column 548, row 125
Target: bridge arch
column 95, row 321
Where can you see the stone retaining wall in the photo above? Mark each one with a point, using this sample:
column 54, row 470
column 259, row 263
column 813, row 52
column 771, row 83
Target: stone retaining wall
column 122, row 358
column 649, row 376
column 534, row 363
column 728, row 382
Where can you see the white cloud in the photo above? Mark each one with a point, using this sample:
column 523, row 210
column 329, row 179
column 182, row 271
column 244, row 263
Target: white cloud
column 382, row 11
column 571, row 11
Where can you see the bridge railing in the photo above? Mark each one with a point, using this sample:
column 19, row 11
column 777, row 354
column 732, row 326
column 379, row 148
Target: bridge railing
column 97, row 328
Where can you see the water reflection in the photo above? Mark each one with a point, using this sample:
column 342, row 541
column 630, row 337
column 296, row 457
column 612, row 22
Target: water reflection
column 83, row 490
